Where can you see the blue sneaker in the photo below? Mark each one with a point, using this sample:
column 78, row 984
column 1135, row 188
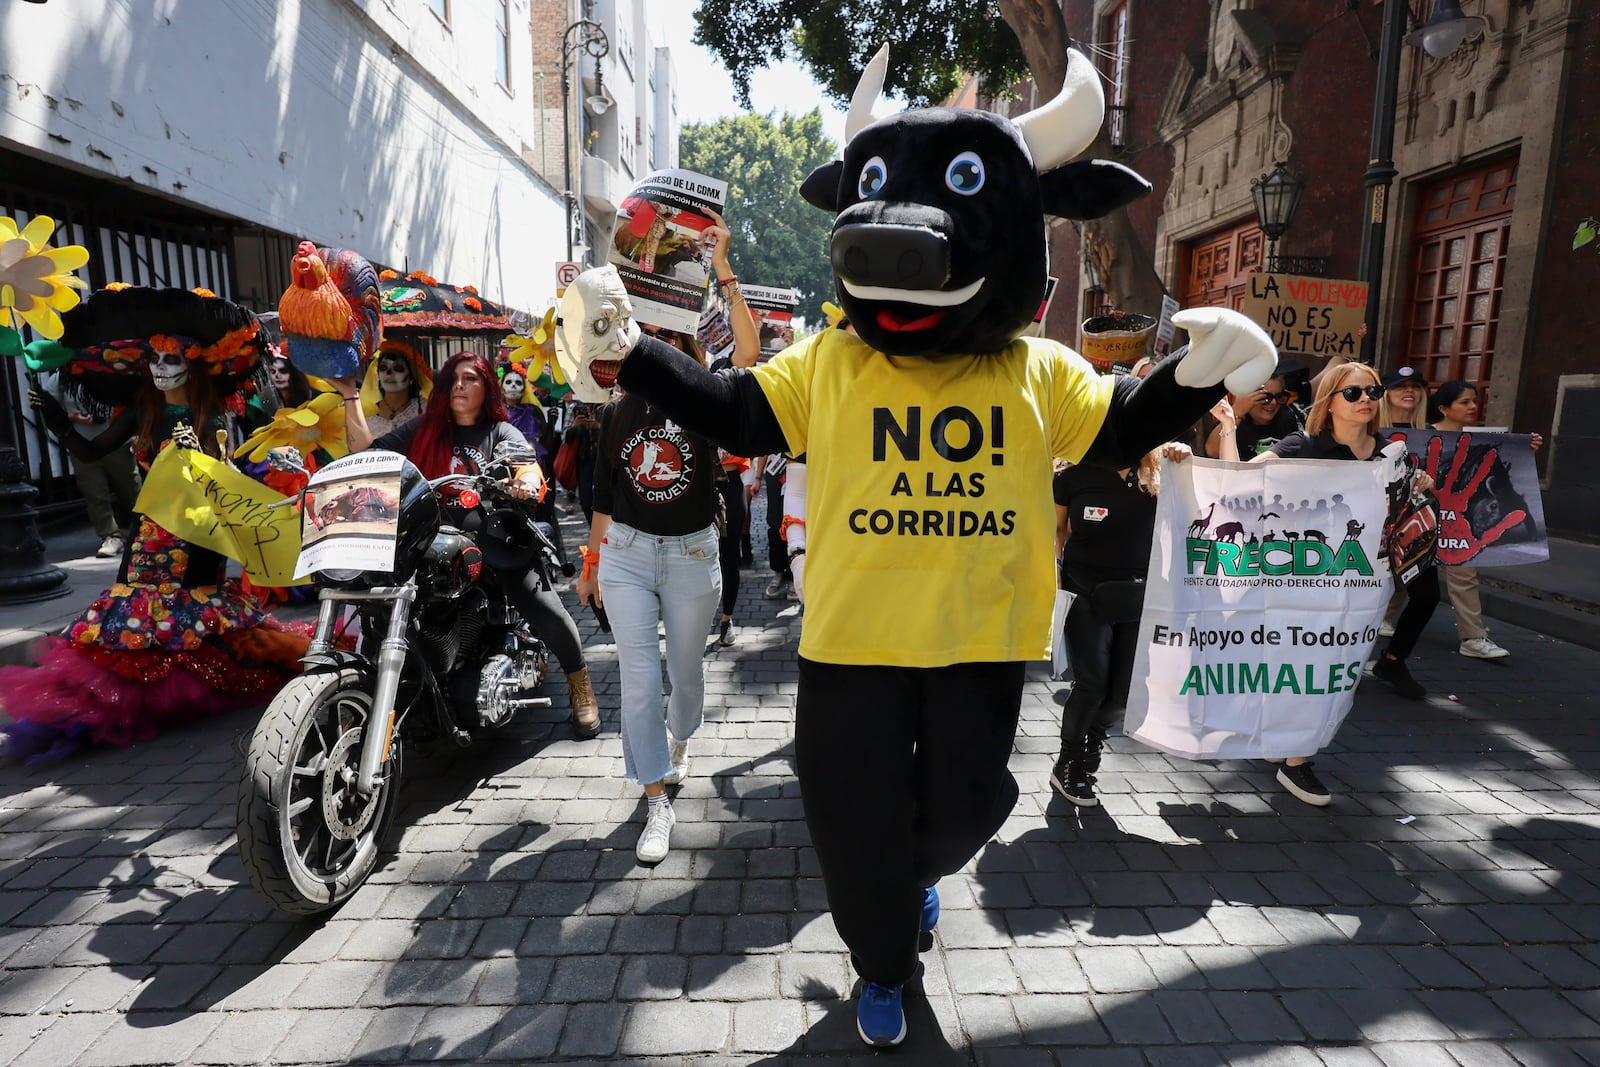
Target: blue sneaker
column 930, row 908
column 879, row 1018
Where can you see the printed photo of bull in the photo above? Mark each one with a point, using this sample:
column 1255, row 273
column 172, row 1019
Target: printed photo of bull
column 366, row 507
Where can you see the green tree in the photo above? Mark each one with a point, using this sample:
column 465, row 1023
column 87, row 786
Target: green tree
column 932, row 45
column 934, row 42
column 778, row 238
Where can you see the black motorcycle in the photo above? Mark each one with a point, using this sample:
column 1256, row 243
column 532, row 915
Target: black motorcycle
column 441, row 657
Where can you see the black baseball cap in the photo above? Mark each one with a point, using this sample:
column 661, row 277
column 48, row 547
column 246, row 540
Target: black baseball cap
column 1404, row 376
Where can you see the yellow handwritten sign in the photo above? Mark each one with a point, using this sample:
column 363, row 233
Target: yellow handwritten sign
column 1308, row 316
column 204, row 500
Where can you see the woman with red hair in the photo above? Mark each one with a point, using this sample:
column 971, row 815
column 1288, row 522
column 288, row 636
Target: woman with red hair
column 457, row 433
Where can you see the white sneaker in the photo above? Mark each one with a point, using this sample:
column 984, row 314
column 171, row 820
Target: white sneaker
column 1386, row 628
column 656, row 840
column 678, row 756
column 1482, row 648
column 111, row 547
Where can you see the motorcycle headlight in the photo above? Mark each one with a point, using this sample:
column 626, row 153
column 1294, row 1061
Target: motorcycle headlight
column 336, row 575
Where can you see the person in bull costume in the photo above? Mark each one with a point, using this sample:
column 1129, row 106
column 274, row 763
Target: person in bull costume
column 930, row 434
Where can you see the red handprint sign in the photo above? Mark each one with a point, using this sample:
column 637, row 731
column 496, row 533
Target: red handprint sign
column 1458, row 541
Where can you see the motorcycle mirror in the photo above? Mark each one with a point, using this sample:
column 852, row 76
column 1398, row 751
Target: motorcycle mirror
column 286, row 458
column 510, row 451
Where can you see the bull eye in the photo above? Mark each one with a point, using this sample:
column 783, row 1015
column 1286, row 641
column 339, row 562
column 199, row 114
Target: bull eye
column 964, row 175
column 873, row 175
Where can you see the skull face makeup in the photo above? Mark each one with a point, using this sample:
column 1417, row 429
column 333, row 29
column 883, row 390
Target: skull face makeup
column 280, row 375
column 594, row 333
column 394, row 374
column 513, row 385
column 168, row 371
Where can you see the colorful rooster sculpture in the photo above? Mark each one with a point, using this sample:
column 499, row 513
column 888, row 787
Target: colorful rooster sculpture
column 330, row 314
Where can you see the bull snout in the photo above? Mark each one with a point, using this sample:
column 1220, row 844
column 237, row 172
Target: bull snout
column 890, row 255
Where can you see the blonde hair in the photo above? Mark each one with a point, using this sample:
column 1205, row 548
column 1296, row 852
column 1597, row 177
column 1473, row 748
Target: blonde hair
column 1331, row 383
column 1418, row 413
column 1149, row 470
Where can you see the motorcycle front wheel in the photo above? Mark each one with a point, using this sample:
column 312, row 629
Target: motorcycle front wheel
column 307, row 837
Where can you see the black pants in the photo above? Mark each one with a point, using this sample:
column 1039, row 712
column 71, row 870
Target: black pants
column 732, row 488
column 545, row 511
column 777, row 549
column 1102, row 669
column 541, row 608
column 903, row 778
column 1422, row 596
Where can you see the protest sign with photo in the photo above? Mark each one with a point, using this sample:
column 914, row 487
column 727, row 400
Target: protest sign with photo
column 1308, row 316
column 350, row 515
column 714, row 333
column 773, row 310
column 660, row 250
column 1491, row 513
column 1263, row 600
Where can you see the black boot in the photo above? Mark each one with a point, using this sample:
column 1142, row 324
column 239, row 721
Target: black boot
column 1072, row 779
column 1092, row 746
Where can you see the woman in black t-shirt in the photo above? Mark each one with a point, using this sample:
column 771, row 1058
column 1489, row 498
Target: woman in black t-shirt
column 1105, row 521
column 458, row 432
column 1343, row 425
column 652, row 558
column 1264, row 417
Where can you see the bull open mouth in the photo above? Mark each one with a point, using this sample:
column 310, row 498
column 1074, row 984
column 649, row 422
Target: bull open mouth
column 932, row 298
column 889, row 319
column 605, row 371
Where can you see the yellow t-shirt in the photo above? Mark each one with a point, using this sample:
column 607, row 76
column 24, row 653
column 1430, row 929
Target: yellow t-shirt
column 930, row 526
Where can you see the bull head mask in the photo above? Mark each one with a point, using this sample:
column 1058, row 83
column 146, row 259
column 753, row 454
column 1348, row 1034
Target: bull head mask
column 938, row 242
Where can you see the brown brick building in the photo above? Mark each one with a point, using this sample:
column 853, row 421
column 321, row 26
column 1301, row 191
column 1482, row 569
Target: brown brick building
column 1497, row 160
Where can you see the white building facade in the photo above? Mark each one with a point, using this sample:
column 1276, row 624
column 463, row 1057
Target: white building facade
column 636, row 130
column 398, row 128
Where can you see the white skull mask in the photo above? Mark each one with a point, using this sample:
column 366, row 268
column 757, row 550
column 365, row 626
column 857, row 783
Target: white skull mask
column 280, row 375
column 513, row 385
column 394, row 375
column 168, row 371
column 595, row 332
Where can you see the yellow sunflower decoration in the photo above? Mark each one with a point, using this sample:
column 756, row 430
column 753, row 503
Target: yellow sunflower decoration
column 318, row 423
column 537, row 352
column 36, row 280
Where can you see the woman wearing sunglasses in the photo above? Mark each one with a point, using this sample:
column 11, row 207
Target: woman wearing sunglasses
column 1263, row 417
column 1343, row 424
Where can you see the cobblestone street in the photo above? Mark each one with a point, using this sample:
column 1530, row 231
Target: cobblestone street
column 1442, row 911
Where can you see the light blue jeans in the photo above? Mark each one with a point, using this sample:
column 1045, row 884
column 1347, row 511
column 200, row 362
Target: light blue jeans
column 644, row 580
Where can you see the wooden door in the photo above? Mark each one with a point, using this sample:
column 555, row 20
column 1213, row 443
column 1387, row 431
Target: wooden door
column 1457, row 274
column 1216, row 266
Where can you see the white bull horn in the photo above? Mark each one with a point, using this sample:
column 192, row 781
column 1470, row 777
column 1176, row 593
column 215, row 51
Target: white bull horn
column 1063, row 128
column 868, row 89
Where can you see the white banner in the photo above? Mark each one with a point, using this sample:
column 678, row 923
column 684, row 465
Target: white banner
column 1263, row 600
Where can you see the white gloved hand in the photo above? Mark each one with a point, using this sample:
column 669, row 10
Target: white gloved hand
column 595, row 332
column 1224, row 346
column 797, row 570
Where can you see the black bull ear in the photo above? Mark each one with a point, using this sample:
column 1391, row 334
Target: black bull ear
column 821, row 187
column 1087, row 189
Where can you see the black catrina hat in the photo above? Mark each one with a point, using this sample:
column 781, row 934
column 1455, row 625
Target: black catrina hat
column 117, row 331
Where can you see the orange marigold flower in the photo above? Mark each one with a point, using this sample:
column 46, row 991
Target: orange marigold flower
column 388, row 275
column 470, row 289
column 474, row 303
column 166, row 344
